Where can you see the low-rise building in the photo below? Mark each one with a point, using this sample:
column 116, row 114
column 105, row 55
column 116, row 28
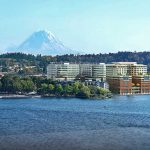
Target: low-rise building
column 143, row 84
column 102, row 84
column 120, row 84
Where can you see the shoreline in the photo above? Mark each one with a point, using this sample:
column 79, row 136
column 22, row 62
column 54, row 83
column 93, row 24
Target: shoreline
column 15, row 96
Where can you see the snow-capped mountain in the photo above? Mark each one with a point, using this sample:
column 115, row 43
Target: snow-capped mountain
column 42, row 42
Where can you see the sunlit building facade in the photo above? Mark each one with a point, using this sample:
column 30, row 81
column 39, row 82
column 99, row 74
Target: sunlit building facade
column 63, row 71
column 127, row 78
column 67, row 71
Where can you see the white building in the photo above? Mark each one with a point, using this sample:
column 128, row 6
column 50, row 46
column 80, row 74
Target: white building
column 63, row 71
column 125, row 68
column 99, row 71
column 68, row 71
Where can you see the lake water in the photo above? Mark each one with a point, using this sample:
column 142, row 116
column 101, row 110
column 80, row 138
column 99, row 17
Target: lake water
column 119, row 123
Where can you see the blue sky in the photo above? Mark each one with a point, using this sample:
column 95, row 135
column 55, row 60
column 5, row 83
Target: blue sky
column 88, row 25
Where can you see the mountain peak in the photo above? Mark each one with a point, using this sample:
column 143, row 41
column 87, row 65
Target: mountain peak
column 45, row 33
column 43, row 42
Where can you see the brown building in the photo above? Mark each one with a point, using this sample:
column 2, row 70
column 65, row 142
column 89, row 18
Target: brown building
column 127, row 85
column 143, row 83
column 127, row 78
column 120, row 84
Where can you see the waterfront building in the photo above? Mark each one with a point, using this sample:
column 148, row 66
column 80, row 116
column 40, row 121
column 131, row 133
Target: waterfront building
column 63, row 71
column 125, row 68
column 127, row 85
column 128, row 78
column 99, row 71
column 120, row 84
column 122, row 78
column 116, row 69
column 86, row 70
column 67, row 71
column 137, row 69
column 143, row 84
column 102, row 84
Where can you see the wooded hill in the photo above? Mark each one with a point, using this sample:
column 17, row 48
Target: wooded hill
column 42, row 61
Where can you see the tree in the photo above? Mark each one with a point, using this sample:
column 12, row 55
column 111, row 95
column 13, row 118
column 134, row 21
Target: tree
column 84, row 92
column 44, row 88
column 17, row 86
column 7, row 83
column 67, row 89
column 27, row 85
column 93, row 90
column 76, row 87
column 59, row 89
column 51, row 88
column 102, row 91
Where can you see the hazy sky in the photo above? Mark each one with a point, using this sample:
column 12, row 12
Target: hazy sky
column 89, row 25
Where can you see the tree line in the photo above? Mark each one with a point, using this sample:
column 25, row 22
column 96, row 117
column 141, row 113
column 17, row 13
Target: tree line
column 41, row 62
column 46, row 87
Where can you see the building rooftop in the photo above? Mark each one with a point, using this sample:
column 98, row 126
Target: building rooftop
column 125, row 63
